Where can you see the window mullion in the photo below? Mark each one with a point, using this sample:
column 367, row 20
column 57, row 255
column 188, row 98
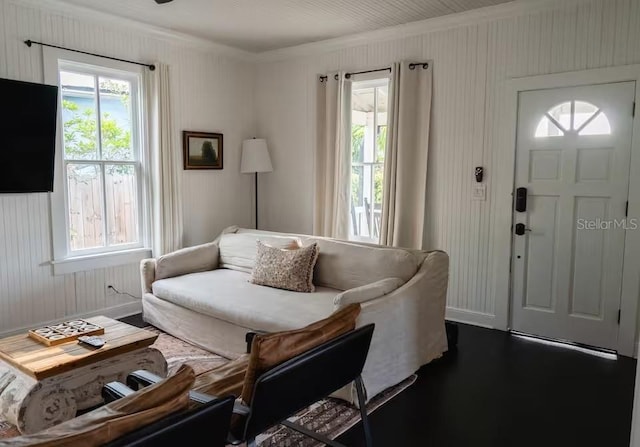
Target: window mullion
column 104, row 204
column 98, row 116
column 67, row 201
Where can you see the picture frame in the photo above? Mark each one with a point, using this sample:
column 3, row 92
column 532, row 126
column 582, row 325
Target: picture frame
column 202, row 150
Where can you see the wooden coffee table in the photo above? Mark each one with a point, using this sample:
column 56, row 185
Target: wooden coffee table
column 41, row 386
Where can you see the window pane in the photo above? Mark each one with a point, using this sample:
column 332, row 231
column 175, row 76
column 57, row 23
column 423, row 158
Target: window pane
column 583, row 111
column 546, row 128
column 357, row 205
column 84, row 186
column 362, row 116
column 378, row 183
column 562, row 114
column 122, row 204
column 115, row 119
column 382, row 104
column 381, row 143
column 357, row 142
column 79, row 116
column 598, row 126
column 381, row 122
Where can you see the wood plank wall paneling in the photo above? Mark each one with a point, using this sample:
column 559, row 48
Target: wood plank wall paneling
column 211, row 92
column 471, row 65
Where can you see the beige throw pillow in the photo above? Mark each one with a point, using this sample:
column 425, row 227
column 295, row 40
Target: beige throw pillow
column 285, row 269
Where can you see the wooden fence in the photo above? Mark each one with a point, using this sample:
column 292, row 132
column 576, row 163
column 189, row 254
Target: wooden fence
column 86, row 214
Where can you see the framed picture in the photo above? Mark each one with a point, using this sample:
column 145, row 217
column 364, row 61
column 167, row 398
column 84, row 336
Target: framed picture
column 202, row 150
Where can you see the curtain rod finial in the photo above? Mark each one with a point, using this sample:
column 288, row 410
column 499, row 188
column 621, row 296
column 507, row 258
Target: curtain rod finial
column 152, row 67
column 28, row 43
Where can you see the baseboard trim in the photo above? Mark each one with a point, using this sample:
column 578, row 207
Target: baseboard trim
column 115, row 312
column 470, row 317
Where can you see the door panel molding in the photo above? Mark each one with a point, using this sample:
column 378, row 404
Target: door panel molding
column 504, row 184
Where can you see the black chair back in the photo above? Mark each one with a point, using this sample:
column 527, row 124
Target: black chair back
column 305, row 379
column 209, row 423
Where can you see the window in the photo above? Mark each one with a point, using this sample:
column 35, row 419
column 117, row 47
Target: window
column 578, row 117
column 369, row 101
column 99, row 194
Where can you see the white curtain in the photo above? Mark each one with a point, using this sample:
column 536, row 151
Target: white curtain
column 407, row 154
column 333, row 158
column 164, row 155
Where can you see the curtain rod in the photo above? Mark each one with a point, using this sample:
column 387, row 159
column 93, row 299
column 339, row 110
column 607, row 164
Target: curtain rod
column 29, row 43
column 412, row 66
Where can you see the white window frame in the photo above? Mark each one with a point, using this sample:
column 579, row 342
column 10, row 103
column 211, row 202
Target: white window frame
column 64, row 259
column 373, row 80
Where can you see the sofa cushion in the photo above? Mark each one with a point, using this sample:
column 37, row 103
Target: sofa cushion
column 187, row 260
column 285, row 269
column 238, row 251
column 343, row 265
column 228, row 295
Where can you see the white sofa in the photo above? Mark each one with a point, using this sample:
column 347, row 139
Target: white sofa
column 202, row 295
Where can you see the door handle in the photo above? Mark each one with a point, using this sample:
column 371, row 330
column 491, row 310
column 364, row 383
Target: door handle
column 521, row 229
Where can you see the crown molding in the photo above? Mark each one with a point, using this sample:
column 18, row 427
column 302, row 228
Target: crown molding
column 474, row 16
column 83, row 12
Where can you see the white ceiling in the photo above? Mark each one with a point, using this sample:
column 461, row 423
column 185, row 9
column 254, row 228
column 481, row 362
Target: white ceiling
column 261, row 25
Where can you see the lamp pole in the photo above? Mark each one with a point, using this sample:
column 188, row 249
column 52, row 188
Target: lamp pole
column 256, row 187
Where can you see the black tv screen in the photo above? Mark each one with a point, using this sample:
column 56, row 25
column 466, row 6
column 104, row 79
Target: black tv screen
column 27, row 136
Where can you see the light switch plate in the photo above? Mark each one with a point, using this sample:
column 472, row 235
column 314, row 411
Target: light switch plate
column 479, row 191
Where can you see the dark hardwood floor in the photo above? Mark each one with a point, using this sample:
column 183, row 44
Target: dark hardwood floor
column 499, row 390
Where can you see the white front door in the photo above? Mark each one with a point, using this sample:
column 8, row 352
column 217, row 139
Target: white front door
column 572, row 156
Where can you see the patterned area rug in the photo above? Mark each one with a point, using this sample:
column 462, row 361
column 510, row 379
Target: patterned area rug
column 178, row 352
column 330, row 417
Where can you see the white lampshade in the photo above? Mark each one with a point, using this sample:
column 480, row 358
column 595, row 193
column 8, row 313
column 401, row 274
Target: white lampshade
column 255, row 156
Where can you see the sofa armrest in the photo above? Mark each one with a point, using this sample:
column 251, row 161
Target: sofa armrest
column 148, row 274
column 199, row 258
column 367, row 292
column 410, row 327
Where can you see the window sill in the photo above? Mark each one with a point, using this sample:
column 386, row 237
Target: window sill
column 98, row 261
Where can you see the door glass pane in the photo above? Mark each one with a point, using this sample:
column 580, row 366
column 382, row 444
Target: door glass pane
column 79, row 122
column 115, row 119
column 562, row 114
column 122, row 204
column 84, row 187
column 546, row 128
column 598, row 126
column 583, row 111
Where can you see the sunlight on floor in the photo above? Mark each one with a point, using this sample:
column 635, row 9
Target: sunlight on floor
column 559, row 344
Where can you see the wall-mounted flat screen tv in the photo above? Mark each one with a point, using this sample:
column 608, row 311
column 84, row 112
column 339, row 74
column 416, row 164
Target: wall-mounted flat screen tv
column 27, row 136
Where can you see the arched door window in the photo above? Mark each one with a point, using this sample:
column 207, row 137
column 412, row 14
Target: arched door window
column 580, row 117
